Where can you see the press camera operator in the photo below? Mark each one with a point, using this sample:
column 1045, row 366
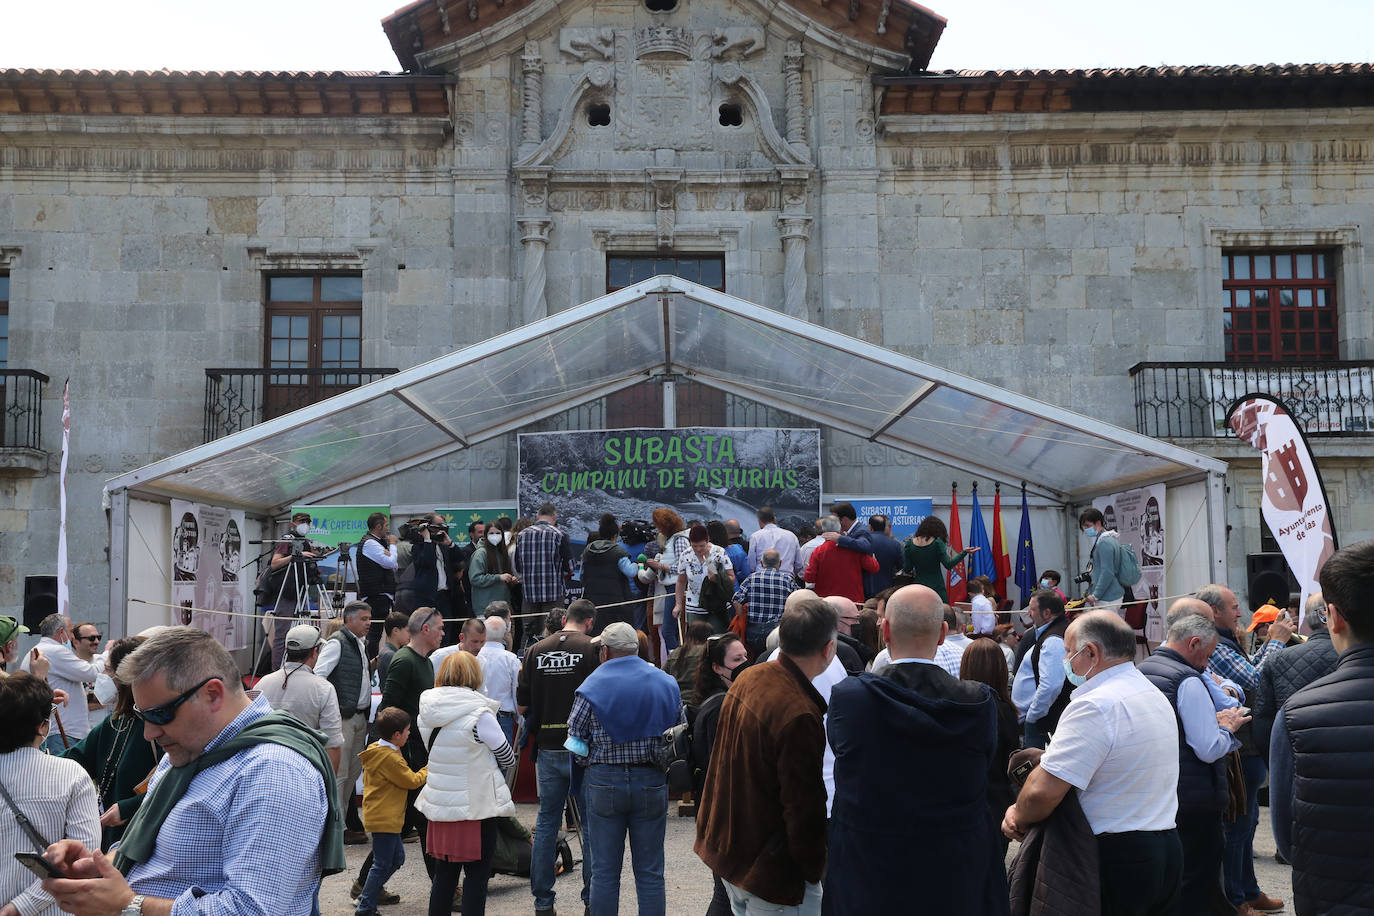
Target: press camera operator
column 425, row 580
column 375, row 559
column 289, row 609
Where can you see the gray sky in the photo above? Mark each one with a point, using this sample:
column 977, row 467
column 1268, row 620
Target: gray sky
column 991, row 34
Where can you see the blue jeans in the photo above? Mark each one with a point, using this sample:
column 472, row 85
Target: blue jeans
column 627, row 799
column 388, row 854
column 1238, row 862
column 54, row 742
column 747, row 904
column 507, row 722
column 557, row 779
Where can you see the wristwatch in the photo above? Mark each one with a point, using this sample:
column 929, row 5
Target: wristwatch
column 135, row 907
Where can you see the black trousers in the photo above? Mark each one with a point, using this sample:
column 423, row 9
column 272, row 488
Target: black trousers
column 1139, row 872
column 1204, row 844
column 446, row 874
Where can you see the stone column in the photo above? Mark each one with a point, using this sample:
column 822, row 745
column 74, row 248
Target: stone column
column 795, row 231
column 532, row 97
column 534, row 236
column 792, row 72
column 794, row 228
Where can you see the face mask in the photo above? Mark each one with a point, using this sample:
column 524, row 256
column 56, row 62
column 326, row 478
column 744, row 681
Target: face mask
column 495, row 539
column 1076, row 680
column 1045, row 583
column 303, row 529
column 735, row 671
column 1090, row 532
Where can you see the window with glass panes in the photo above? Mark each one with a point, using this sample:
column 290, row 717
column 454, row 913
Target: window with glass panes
column 642, row 405
column 314, row 322
column 1280, row 306
column 4, row 323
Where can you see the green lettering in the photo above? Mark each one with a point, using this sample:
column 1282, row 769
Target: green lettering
column 674, row 451
column 653, row 450
column 726, row 452
column 545, row 484
column 755, row 477
column 679, row 477
column 703, row 479
column 640, row 479
column 612, row 455
column 665, row 478
column 693, row 451
column 579, row 481
column 791, row 477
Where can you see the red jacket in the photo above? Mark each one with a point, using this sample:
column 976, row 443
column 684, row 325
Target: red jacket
column 837, row 571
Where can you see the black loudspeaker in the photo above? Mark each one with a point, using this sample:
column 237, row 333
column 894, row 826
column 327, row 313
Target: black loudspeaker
column 1267, row 576
column 40, row 600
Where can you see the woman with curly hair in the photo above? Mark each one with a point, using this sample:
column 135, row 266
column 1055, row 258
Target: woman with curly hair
column 673, row 544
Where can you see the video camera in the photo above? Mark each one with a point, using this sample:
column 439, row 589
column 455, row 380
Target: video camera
column 637, row 531
column 414, row 529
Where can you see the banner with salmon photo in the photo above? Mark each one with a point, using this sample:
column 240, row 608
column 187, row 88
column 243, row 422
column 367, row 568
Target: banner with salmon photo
column 1293, row 501
column 702, row 473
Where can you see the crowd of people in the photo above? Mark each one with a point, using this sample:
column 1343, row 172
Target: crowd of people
column 838, row 721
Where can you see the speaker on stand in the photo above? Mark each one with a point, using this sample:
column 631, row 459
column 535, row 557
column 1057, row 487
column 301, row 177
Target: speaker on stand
column 1267, row 578
column 40, row 600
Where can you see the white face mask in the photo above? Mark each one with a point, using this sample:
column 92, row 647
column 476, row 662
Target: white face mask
column 495, row 538
column 303, row 529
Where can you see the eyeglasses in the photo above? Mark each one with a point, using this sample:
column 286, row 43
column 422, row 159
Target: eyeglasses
column 95, row 638
column 166, row 712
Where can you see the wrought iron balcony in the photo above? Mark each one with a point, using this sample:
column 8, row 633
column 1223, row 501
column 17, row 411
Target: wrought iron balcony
column 21, row 399
column 1190, row 400
column 236, row 399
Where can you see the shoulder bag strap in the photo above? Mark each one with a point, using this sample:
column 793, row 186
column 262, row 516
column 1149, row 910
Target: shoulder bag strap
column 30, row 831
column 429, row 748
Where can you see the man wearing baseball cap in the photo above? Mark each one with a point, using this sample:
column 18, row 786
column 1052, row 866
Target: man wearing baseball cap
column 10, row 630
column 615, row 729
column 297, row 689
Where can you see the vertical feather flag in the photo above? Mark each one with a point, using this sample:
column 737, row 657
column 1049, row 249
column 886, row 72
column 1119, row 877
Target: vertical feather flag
column 980, row 564
column 958, row 579
column 1025, row 554
column 63, row 592
column 1000, row 561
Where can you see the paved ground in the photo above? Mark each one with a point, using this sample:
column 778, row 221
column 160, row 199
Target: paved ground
column 689, row 882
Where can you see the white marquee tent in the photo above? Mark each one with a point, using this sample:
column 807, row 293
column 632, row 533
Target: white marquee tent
column 672, row 328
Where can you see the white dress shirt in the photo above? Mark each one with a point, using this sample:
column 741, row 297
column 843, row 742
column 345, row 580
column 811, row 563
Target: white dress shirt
column 1117, row 744
column 500, row 674
column 824, row 683
column 1198, row 713
column 66, row 671
column 329, row 660
column 771, row 537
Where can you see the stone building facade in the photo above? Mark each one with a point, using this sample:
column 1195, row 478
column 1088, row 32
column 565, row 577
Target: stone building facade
column 1043, row 230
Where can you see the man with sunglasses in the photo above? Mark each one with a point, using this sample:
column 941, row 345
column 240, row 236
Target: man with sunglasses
column 100, row 693
column 262, row 786
column 67, row 671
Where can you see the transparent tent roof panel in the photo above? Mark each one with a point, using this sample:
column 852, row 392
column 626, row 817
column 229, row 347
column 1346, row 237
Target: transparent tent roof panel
column 578, row 355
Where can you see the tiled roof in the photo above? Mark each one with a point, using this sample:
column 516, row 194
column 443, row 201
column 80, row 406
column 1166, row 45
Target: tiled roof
column 1260, row 86
column 283, row 93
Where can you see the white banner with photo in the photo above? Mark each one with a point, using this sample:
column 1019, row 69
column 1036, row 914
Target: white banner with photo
column 1138, row 516
column 1294, row 500
column 207, row 551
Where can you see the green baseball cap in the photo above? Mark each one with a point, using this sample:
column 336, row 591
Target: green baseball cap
column 9, row 628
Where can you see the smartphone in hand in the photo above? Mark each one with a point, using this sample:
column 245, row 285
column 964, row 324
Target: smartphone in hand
column 38, row 865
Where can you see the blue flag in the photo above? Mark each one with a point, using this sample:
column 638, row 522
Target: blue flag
column 981, row 563
column 1025, row 555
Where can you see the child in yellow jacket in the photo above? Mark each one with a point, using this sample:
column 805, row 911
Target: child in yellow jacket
column 386, row 780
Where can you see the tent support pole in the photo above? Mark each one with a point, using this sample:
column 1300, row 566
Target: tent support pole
column 1216, row 525
column 119, row 564
column 669, row 404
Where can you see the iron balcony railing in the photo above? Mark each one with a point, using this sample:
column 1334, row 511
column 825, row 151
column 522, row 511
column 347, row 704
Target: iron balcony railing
column 21, row 397
column 236, row 399
column 1190, row 400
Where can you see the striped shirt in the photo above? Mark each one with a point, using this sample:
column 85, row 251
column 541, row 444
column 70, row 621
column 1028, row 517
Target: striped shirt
column 245, row 838
column 58, row 798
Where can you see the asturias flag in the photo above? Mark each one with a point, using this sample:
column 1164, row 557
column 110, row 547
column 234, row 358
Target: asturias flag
column 1000, row 560
column 1025, row 555
column 958, row 579
column 980, row 563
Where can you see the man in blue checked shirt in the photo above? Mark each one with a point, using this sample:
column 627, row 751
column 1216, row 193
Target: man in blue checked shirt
column 764, row 593
column 615, row 729
column 262, row 790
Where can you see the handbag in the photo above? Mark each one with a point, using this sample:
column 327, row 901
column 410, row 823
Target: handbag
column 715, row 598
column 1132, row 610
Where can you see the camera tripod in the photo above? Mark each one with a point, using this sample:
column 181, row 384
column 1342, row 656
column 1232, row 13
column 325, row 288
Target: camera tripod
column 298, row 573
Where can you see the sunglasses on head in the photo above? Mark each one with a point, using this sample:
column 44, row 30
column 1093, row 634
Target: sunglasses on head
column 166, row 712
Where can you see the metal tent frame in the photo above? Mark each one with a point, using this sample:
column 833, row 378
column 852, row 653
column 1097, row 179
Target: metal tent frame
column 662, row 327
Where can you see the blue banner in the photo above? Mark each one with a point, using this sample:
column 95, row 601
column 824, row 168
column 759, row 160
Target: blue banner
column 905, row 512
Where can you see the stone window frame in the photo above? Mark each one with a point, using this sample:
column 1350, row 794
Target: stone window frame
column 1345, row 241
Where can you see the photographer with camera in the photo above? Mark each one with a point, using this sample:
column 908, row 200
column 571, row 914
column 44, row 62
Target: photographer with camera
column 1104, row 586
column 295, row 562
column 432, row 563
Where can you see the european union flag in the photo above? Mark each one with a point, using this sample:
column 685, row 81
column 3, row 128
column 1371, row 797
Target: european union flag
column 1026, row 575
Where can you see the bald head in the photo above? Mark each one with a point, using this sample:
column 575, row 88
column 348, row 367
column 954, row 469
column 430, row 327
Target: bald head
column 800, row 595
column 847, row 610
column 915, row 622
column 496, row 629
column 1188, row 607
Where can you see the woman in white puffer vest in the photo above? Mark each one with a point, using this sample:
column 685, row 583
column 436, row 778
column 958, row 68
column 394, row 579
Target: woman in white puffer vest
column 465, row 791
